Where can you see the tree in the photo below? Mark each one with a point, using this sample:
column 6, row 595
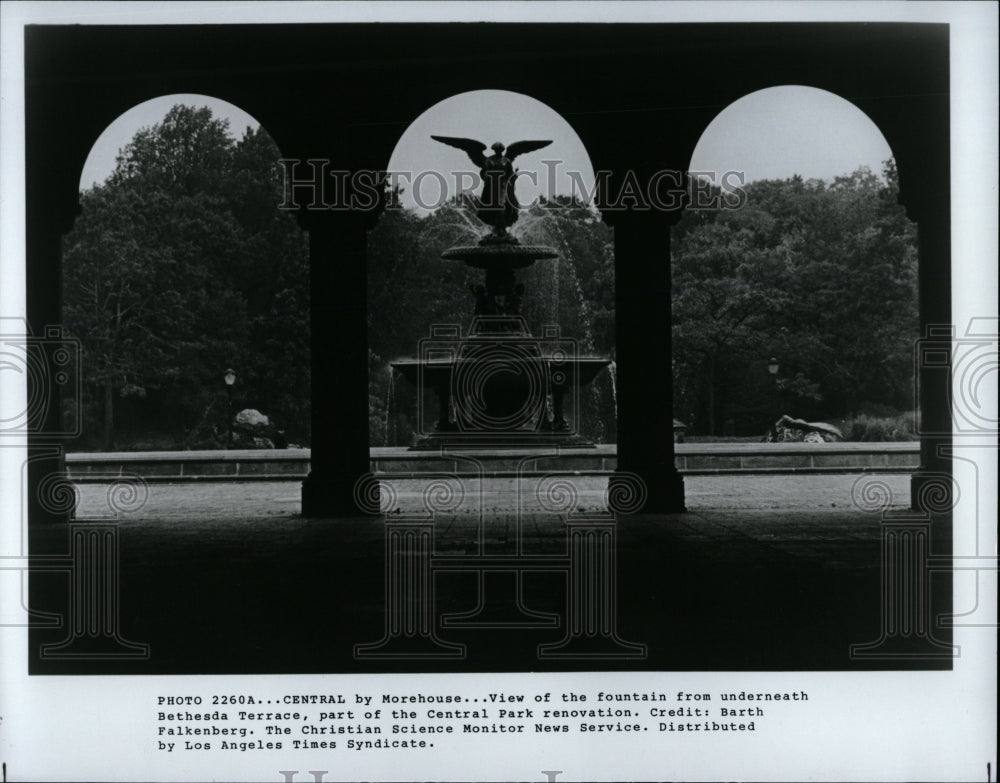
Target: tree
column 179, row 266
column 411, row 288
column 822, row 275
column 723, row 297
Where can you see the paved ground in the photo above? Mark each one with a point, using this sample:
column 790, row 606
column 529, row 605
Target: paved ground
column 262, row 499
column 228, row 578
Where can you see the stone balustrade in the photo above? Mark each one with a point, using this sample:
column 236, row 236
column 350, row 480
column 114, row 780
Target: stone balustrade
column 690, row 458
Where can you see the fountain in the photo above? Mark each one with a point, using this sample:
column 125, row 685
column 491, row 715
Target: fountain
column 498, row 385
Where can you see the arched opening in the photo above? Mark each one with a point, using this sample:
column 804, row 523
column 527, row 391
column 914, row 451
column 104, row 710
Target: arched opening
column 794, row 276
column 809, row 599
column 180, row 269
column 432, row 207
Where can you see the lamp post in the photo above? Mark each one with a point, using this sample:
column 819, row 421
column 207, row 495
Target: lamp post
column 772, row 369
column 230, row 379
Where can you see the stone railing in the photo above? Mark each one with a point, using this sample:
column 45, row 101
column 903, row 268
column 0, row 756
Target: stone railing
column 691, row 459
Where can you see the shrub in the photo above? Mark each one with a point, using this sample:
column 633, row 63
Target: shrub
column 870, row 429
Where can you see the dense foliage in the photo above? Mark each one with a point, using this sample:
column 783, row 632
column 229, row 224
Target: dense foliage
column 411, row 288
column 181, row 266
column 821, row 277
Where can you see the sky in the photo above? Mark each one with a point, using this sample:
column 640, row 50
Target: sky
column 101, row 160
column 782, row 131
column 490, row 116
column 770, row 134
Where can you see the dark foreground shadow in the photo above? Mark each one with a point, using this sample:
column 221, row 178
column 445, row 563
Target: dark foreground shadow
column 765, row 591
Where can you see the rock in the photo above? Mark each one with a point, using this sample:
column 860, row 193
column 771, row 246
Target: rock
column 251, row 419
column 789, row 430
column 253, row 430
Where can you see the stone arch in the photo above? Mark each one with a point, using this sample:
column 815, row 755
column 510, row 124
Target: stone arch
column 776, row 133
column 555, row 296
column 639, row 96
column 140, row 115
column 103, row 109
column 850, row 119
column 239, row 270
column 914, row 126
column 535, row 119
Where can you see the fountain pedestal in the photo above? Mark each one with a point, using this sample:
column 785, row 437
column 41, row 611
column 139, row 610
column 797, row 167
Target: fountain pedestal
column 499, row 386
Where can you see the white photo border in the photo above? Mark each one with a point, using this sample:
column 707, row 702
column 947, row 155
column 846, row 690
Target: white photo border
column 857, row 726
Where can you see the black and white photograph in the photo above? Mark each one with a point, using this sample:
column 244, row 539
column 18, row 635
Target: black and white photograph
column 486, row 392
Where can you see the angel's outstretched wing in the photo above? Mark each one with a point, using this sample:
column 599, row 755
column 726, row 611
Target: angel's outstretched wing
column 474, row 149
column 520, row 147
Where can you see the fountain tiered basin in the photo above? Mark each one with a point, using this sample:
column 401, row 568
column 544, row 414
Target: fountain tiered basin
column 498, row 385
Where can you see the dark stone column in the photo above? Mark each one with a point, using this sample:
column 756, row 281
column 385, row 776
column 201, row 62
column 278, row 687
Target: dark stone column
column 644, row 374
column 51, row 208
column 933, row 359
column 339, row 340
column 932, row 497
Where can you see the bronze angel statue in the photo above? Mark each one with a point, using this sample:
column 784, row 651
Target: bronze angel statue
column 497, row 206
